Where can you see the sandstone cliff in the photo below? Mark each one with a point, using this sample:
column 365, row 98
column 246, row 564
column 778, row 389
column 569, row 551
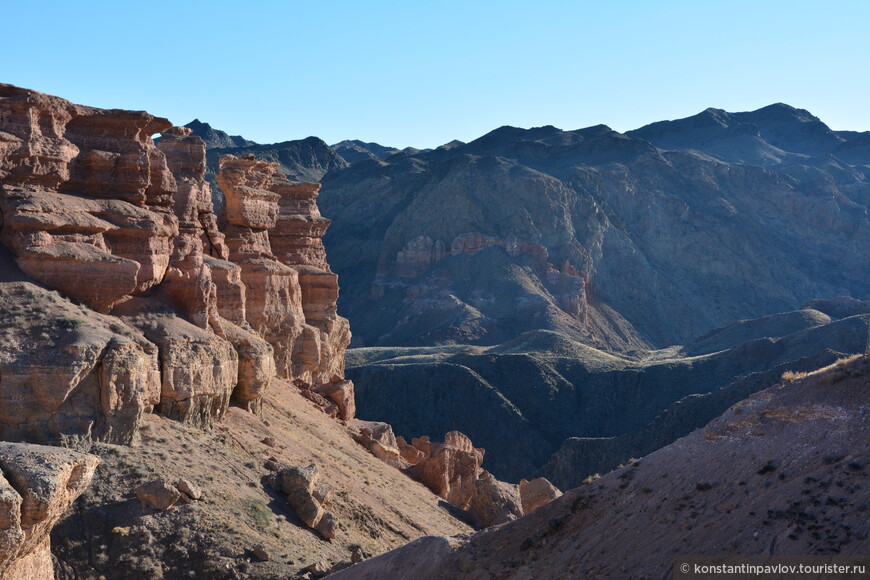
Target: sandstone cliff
column 93, row 209
column 130, row 308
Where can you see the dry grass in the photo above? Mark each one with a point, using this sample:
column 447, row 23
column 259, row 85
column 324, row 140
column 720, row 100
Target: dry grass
column 833, row 373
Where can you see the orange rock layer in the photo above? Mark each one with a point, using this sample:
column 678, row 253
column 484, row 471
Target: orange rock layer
column 93, row 208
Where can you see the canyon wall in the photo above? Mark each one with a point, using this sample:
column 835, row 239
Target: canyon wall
column 135, row 298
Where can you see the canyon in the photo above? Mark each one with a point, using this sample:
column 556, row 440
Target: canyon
column 146, row 337
column 179, row 394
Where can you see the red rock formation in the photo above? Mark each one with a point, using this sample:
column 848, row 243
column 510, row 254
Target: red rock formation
column 256, row 366
column 91, row 207
column 199, row 371
column 452, row 470
column 380, row 440
column 273, row 300
column 296, row 240
column 37, row 484
column 274, row 235
column 68, row 372
column 188, row 278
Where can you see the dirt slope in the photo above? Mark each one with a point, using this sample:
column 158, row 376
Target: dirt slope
column 109, row 533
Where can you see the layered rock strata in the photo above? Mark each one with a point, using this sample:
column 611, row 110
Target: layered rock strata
column 274, row 235
column 37, row 485
column 91, row 207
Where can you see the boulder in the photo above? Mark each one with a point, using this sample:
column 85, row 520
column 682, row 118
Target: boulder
column 300, row 484
column 494, row 502
column 536, row 493
column 158, row 494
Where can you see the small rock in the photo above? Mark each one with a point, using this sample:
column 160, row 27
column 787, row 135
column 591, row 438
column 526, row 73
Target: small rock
column 158, row 494
column 273, row 465
column 266, row 423
column 357, row 555
column 190, row 489
column 318, row 569
column 340, row 566
column 269, row 441
column 260, row 553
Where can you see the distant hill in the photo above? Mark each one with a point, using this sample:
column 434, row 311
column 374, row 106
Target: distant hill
column 355, row 150
column 565, row 410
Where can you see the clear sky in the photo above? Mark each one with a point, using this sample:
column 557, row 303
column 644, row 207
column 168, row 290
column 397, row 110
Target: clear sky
column 424, row 72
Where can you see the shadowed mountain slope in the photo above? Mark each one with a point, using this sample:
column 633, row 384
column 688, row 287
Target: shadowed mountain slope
column 622, row 241
column 781, row 472
column 549, row 400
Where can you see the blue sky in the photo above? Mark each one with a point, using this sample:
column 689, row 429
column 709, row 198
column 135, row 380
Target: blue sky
column 423, row 73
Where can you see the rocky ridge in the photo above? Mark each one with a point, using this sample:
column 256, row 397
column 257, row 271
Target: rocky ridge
column 621, row 241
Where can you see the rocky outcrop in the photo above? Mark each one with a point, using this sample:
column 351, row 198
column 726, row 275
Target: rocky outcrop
column 37, row 485
column 273, row 304
column 188, row 278
column 452, row 470
column 96, row 251
column 274, row 236
column 256, row 366
column 449, row 469
column 66, row 371
column 380, row 440
column 92, row 208
column 198, row 370
column 494, row 502
column 307, row 496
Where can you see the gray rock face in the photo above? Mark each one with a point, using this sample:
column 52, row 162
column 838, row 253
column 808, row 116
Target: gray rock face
column 616, row 240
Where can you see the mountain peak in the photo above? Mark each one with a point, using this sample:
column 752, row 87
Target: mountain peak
column 215, row 138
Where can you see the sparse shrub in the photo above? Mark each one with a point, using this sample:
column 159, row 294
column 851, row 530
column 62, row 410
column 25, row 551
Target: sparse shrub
column 260, row 513
column 590, row 478
column 791, row 376
column 704, row 486
column 767, row 467
column 69, row 322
